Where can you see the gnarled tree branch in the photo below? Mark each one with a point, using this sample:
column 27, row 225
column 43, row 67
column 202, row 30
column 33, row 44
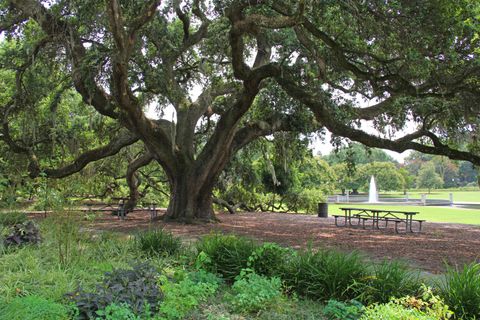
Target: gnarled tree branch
column 133, row 181
column 122, row 140
column 320, row 107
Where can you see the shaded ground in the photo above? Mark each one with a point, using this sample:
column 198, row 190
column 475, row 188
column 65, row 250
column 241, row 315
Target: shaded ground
column 438, row 243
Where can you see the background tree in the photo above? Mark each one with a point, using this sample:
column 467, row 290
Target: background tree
column 257, row 68
column 355, row 164
column 346, row 177
column 428, row 178
column 387, row 176
column 268, row 176
column 467, row 174
column 408, row 178
column 315, row 173
column 453, row 173
column 448, row 171
column 357, row 154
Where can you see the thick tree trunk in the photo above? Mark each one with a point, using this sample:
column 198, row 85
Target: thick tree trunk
column 191, row 199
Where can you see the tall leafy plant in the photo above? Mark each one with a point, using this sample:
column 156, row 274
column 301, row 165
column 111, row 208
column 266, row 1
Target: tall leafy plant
column 324, row 275
column 461, row 291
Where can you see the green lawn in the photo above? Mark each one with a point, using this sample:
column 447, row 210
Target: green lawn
column 432, row 214
column 458, row 196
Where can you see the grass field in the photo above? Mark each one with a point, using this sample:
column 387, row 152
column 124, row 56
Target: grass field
column 432, row 214
column 458, row 196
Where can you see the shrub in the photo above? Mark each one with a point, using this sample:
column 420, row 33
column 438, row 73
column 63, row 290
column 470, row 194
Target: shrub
column 23, row 233
column 393, row 311
column 351, row 310
column 309, row 199
column 461, row 291
column 389, row 280
column 9, row 219
column 182, row 297
column 33, row 307
column 426, row 307
column 427, row 302
column 202, row 276
column 117, row 312
column 136, row 288
column 267, row 260
column 158, row 242
column 325, row 275
column 225, row 254
column 252, row 292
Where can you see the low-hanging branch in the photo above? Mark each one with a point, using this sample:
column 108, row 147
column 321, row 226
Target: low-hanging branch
column 123, row 139
column 320, row 107
column 116, row 144
column 132, row 180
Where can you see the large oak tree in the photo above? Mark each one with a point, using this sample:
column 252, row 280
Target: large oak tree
column 236, row 70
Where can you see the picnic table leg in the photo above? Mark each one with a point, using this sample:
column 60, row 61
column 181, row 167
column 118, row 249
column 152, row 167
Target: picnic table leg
column 419, row 225
column 350, row 221
column 375, row 220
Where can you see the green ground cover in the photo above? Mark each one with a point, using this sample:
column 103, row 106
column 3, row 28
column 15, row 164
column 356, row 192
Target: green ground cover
column 431, row 214
column 74, row 274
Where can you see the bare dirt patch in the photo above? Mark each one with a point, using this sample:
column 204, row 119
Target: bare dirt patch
column 439, row 243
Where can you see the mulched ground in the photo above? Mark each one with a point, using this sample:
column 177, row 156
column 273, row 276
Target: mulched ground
column 439, row 242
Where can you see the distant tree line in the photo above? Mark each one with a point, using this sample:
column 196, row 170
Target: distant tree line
column 278, row 173
column 354, row 164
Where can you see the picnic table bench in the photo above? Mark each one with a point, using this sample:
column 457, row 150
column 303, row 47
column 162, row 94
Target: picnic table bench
column 360, row 217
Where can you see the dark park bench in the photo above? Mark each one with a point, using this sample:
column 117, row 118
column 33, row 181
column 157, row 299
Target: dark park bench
column 376, row 219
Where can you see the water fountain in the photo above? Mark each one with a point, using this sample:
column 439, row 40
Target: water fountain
column 372, row 191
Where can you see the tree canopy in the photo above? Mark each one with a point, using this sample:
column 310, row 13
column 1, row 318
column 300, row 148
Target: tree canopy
column 428, row 178
column 356, row 154
column 80, row 76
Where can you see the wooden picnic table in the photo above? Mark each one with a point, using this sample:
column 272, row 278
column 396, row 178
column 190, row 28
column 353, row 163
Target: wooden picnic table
column 361, row 216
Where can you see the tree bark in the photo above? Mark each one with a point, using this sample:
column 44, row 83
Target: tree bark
column 133, row 181
column 191, row 200
column 232, row 209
